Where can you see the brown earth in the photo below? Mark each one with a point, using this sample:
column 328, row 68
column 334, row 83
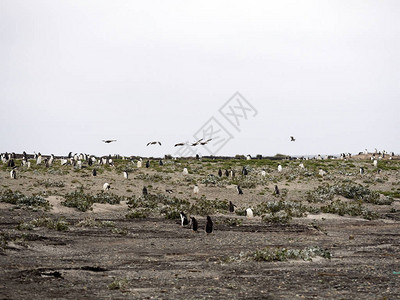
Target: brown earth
column 156, row 258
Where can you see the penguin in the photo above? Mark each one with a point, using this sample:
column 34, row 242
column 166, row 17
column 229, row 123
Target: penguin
column 185, row 171
column 226, row 173
column 219, row 173
column 279, row 168
column 184, row 219
column 195, row 224
column 361, row 170
column 209, row 225
column 240, row 192
column 196, row 189
column 126, row 175
column 144, row 191
column 161, row 162
column 244, row 171
column 249, row 213
column 94, row 172
column 11, row 163
column 106, row 187
column 13, row 174
column 277, row 190
column 231, row 207
column 147, row 163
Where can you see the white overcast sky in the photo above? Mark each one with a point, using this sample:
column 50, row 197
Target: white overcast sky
column 75, row 72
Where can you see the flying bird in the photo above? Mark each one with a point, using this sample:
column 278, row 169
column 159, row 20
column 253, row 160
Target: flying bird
column 197, row 142
column 205, row 142
column 153, row 143
column 109, row 141
column 179, row 144
column 292, row 139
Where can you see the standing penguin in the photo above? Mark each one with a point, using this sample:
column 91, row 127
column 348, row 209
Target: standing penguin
column 277, row 190
column 94, row 172
column 144, row 191
column 161, row 162
column 184, row 219
column 361, row 170
column 240, row 192
column 147, row 163
column 219, row 173
column 209, row 225
column 196, row 189
column 126, row 175
column 195, row 225
column 231, row 207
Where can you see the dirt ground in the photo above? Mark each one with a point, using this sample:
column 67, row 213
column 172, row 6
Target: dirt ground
column 157, row 258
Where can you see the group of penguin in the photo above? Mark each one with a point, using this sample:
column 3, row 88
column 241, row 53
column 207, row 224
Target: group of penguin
column 195, row 225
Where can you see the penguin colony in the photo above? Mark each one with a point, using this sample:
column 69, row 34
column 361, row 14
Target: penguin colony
column 78, row 161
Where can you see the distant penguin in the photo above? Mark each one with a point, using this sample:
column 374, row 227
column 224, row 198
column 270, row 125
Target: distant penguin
column 226, row 173
column 276, row 190
column 106, row 187
column 196, row 189
column 240, row 192
column 209, row 225
column 263, row 173
column 161, row 162
column 195, row 224
column 39, row 159
column 279, row 168
column 321, row 172
column 13, row 174
column 248, row 157
column 184, row 219
column 219, row 173
column 301, row 166
column 185, row 171
column 249, row 213
column 375, row 163
column 361, row 170
column 126, row 175
column 147, row 163
column 244, row 171
column 94, row 172
column 231, row 207
column 144, row 191
column 11, row 163
column 139, row 163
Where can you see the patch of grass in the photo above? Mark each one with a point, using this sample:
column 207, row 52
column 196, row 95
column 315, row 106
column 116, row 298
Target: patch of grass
column 118, row 284
column 271, row 254
column 83, row 202
column 60, row 224
column 348, row 190
column 20, row 200
column 352, row 209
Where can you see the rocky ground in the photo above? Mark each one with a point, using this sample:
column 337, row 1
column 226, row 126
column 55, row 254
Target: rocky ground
column 334, row 236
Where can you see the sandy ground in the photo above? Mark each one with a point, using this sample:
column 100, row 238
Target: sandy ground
column 156, row 258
